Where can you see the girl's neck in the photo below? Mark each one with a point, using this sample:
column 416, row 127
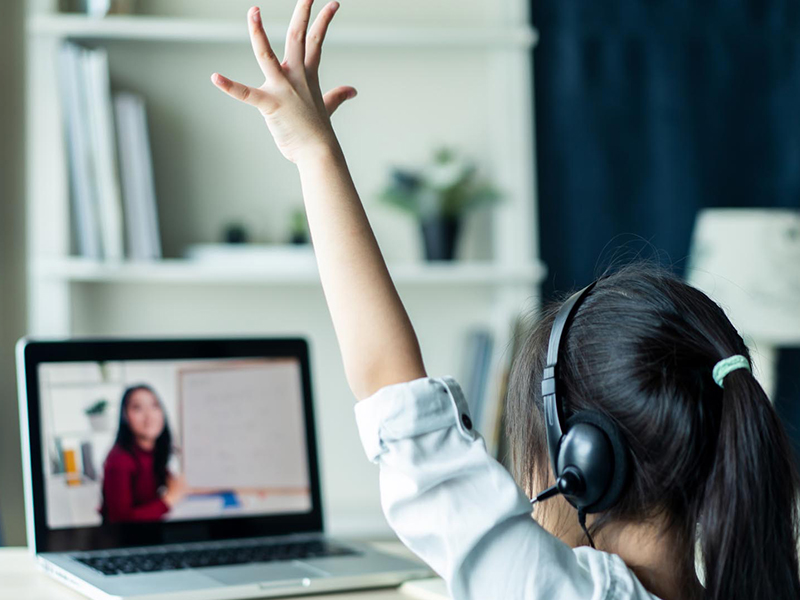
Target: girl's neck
column 146, row 444
column 655, row 559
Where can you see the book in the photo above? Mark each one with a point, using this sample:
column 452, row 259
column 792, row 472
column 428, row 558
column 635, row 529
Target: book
column 475, row 372
column 88, row 461
column 136, row 174
column 86, row 226
column 101, row 121
column 518, row 332
column 110, row 164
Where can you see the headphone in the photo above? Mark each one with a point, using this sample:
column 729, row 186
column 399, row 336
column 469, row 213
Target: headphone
column 589, row 455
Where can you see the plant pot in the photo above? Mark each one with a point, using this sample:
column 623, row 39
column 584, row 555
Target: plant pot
column 99, row 421
column 440, row 235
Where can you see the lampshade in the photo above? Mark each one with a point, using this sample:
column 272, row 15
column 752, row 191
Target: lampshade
column 748, row 260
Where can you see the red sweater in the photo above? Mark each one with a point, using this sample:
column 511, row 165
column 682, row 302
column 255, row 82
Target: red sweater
column 130, row 490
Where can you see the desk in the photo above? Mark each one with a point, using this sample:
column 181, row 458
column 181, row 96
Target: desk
column 20, row 579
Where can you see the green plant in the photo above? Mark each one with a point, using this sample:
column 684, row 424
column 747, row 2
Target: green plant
column 297, row 223
column 98, row 408
column 448, row 187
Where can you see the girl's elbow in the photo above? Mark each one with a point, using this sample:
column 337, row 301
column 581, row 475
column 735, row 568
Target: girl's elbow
column 365, row 380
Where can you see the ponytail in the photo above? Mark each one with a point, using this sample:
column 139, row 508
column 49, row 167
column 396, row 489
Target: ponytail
column 748, row 515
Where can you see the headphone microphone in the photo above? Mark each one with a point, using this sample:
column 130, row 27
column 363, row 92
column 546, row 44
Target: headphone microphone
column 588, row 454
column 570, row 483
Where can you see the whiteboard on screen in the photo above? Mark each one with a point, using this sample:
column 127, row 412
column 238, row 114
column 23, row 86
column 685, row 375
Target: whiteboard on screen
column 243, row 426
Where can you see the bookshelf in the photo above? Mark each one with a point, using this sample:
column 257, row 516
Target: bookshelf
column 173, row 29
column 452, row 72
column 186, row 271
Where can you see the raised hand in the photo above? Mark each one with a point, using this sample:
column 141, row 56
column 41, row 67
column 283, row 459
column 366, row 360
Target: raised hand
column 378, row 343
column 290, row 100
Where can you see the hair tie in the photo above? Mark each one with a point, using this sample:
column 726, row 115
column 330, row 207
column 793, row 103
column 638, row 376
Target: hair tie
column 727, row 365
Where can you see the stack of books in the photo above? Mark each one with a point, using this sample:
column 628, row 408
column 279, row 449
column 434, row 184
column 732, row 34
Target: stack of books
column 484, row 376
column 110, row 163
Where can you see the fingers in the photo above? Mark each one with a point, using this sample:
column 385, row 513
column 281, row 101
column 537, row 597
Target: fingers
column 244, row 93
column 317, row 36
column 334, row 98
column 269, row 63
column 294, row 54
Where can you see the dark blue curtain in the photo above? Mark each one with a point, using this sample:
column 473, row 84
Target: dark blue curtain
column 646, row 112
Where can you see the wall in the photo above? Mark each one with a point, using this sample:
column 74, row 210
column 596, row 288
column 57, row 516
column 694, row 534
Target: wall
column 12, row 246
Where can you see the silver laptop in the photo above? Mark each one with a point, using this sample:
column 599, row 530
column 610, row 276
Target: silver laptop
column 181, row 469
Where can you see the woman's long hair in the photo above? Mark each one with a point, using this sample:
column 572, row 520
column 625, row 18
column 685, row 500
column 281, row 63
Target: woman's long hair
column 713, row 462
column 126, row 440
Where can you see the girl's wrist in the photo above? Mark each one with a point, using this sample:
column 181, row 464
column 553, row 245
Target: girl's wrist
column 321, row 152
column 168, row 499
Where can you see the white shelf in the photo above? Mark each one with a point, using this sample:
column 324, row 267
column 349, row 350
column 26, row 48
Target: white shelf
column 186, row 271
column 227, row 31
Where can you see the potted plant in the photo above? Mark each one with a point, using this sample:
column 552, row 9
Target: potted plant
column 439, row 196
column 98, row 417
column 298, row 227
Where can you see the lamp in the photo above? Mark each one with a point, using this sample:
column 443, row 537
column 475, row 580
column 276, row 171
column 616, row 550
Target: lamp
column 748, row 261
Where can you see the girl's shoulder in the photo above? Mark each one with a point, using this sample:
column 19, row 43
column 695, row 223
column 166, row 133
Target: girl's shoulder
column 120, row 459
column 604, row 566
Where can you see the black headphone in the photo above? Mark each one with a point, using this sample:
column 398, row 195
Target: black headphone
column 588, row 453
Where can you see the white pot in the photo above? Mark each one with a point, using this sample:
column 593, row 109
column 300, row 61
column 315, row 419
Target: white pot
column 99, row 421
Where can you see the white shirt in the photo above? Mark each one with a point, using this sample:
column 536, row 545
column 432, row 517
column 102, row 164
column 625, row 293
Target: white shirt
column 461, row 512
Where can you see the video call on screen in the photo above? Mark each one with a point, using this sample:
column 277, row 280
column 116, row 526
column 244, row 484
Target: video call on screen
column 136, row 441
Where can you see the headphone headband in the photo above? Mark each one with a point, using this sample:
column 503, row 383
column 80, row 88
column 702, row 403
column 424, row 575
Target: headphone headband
column 553, row 408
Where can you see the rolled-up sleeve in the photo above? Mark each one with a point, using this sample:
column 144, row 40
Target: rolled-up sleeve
column 461, row 511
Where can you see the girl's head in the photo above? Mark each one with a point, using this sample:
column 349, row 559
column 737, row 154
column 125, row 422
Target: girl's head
column 705, row 460
column 142, row 421
column 143, row 413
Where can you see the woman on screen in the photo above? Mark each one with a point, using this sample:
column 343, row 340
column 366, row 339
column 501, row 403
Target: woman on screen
column 136, row 484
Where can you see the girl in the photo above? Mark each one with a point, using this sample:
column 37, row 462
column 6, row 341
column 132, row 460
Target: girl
column 136, row 466
column 709, row 459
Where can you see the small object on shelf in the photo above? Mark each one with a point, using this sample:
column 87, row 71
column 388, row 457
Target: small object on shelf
column 298, row 227
column 439, row 235
column 71, row 467
column 235, row 233
column 439, row 196
column 98, row 417
column 98, row 8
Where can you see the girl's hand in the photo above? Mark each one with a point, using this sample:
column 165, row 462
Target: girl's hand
column 296, row 112
column 177, row 489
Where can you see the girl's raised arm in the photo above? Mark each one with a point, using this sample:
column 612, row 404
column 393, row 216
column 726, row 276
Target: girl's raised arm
column 376, row 338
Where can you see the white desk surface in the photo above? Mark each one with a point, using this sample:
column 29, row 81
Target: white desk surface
column 20, row 579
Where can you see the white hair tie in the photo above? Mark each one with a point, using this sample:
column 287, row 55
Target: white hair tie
column 727, row 365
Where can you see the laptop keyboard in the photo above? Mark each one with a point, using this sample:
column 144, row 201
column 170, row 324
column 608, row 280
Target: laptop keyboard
column 167, row 560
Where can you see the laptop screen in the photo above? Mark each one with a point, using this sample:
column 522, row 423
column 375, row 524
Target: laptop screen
column 130, row 441
column 146, row 449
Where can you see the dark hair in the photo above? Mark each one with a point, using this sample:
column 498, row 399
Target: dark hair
column 126, row 439
column 713, row 462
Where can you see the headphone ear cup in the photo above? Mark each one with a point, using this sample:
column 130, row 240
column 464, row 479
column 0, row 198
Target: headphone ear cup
column 590, row 443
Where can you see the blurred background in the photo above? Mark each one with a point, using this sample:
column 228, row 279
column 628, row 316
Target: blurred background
column 506, row 153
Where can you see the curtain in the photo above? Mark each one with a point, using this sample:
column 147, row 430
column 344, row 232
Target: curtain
column 648, row 111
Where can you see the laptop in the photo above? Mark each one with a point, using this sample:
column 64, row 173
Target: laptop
column 170, row 469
